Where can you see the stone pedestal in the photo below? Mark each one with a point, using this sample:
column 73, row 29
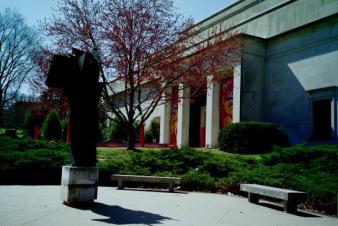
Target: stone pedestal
column 79, row 184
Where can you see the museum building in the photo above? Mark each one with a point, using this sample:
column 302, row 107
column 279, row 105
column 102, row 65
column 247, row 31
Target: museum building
column 287, row 74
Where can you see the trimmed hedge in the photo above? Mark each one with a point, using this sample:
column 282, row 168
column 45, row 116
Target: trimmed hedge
column 251, row 137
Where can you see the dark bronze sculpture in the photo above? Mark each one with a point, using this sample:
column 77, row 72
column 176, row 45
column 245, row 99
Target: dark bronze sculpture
column 78, row 76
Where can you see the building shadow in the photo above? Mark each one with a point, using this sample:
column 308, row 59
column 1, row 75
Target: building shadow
column 118, row 215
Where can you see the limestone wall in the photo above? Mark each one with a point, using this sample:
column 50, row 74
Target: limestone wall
column 304, row 60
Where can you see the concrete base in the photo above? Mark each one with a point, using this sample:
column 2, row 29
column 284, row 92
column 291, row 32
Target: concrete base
column 79, row 184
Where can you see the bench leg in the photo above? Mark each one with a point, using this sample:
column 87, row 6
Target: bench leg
column 120, row 185
column 290, row 206
column 253, row 198
column 171, row 188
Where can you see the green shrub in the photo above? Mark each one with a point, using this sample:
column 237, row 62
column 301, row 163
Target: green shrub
column 64, row 127
column 251, row 137
column 300, row 154
column 119, row 132
column 148, row 136
column 195, row 180
column 114, row 131
column 51, row 128
column 29, row 124
column 152, row 133
column 31, row 121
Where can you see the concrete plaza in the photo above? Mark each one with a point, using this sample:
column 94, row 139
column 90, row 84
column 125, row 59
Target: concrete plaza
column 41, row 206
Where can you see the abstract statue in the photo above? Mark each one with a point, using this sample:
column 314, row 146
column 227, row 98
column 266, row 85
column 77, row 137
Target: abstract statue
column 78, row 76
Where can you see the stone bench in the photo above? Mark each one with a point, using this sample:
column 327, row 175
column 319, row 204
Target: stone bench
column 289, row 197
column 145, row 179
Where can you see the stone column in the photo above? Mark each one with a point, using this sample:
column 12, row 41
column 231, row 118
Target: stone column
column 236, row 112
column 212, row 115
column 165, row 119
column 334, row 115
column 183, row 116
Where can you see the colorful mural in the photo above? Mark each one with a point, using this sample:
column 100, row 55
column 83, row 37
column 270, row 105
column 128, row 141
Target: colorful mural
column 226, row 101
column 174, row 117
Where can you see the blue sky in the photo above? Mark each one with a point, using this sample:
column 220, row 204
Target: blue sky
column 34, row 10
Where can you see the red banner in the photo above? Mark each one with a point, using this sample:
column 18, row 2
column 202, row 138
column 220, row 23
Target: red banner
column 36, row 133
column 173, row 117
column 142, row 135
column 202, row 137
column 226, row 101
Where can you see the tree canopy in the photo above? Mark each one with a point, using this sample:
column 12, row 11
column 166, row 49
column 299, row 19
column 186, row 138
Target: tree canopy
column 145, row 47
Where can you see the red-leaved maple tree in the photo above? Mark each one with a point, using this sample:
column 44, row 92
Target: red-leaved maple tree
column 145, row 48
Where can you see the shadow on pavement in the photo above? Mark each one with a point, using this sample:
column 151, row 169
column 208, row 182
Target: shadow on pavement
column 120, row 216
column 280, row 208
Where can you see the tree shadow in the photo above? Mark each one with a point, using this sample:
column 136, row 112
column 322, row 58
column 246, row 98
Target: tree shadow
column 120, row 216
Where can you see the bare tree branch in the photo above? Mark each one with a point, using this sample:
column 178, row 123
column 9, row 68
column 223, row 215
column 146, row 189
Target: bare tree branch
column 17, row 43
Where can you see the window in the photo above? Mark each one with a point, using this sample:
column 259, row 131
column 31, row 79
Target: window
column 324, row 113
column 321, row 119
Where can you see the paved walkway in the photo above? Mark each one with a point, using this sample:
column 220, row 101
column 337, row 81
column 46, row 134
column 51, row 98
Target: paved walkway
column 41, row 206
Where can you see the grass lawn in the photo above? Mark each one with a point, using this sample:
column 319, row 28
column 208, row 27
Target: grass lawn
column 311, row 169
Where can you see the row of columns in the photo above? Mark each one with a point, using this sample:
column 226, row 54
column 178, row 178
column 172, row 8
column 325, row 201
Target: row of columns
column 212, row 112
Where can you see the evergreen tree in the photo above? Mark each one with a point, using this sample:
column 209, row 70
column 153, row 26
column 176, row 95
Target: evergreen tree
column 51, row 128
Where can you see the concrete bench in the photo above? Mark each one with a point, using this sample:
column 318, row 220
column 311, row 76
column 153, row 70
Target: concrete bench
column 146, row 179
column 289, row 197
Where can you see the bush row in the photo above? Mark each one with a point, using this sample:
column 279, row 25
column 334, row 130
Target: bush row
column 310, row 169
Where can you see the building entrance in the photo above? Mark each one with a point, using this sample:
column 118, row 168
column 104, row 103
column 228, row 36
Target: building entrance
column 197, row 120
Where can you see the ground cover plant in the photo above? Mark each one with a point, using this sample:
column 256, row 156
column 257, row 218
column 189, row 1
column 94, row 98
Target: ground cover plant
column 25, row 161
column 311, row 169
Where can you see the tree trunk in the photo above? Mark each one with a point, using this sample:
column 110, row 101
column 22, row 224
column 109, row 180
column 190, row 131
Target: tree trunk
column 131, row 138
column 1, row 116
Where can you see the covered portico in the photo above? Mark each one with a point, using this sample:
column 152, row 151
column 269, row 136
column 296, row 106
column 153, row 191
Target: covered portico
column 222, row 107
